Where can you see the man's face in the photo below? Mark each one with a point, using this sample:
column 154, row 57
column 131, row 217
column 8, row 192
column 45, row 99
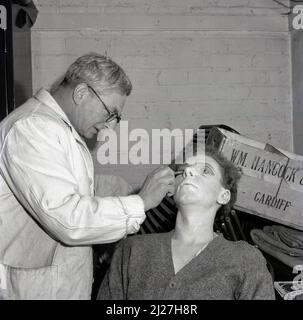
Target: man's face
column 90, row 115
column 200, row 183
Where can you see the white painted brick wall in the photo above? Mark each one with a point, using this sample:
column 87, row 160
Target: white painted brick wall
column 191, row 62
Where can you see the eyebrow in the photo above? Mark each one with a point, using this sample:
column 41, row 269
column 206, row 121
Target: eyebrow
column 209, row 166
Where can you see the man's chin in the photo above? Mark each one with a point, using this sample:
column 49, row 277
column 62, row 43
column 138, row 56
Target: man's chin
column 88, row 136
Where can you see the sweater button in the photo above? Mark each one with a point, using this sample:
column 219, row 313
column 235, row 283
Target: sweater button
column 172, row 285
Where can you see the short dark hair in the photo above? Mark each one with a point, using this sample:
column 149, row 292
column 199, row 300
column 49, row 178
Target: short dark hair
column 230, row 175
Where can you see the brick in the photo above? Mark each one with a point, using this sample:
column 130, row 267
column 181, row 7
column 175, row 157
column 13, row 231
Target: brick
column 47, row 6
column 74, row 3
column 46, row 78
column 151, row 93
column 167, row 44
column 173, row 77
column 78, row 45
column 280, row 45
column 80, row 6
column 232, row 11
column 140, row 77
column 251, row 44
column 196, row 92
column 150, row 62
column 269, row 60
column 262, row 4
column 278, row 77
column 275, row 136
column 246, row 44
column 135, row 109
column 227, row 76
column 211, row 44
column 124, row 9
column 274, row 93
column 229, row 60
column 212, row 109
column 52, row 45
column 99, row 21
column 56, row 61
column 144, row 45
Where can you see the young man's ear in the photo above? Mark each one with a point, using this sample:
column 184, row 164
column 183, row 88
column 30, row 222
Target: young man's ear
column 224, row 197
column 80, row 93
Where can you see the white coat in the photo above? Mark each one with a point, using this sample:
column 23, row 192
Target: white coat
column 49, row 215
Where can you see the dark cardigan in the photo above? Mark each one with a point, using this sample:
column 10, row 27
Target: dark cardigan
column 142, row 268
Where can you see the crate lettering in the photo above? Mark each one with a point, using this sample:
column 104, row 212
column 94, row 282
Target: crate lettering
column 272, row 181
column 239, row 157
column 266, row 166
column 272, row 201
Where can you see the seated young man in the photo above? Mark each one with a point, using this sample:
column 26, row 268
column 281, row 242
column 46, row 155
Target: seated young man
column 191, row 262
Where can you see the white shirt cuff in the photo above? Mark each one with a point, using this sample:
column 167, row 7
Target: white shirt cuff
column 133, row 207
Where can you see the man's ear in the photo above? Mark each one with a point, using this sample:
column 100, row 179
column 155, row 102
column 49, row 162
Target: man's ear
column 80, row 93
column 224, row 197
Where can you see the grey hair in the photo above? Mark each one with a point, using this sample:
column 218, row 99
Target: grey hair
column 100, row 72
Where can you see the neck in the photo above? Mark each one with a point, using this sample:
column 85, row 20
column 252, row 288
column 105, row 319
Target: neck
column 194, row 225
column 62, row 97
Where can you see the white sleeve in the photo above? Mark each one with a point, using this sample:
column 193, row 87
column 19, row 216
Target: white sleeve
column 34, row 164
column 109, row 185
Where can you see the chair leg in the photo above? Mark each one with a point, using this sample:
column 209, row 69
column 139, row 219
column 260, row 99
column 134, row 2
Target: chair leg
column 236, row 219
column 230, row 228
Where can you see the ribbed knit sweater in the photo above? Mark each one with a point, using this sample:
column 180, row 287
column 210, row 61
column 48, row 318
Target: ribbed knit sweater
column 142, row 269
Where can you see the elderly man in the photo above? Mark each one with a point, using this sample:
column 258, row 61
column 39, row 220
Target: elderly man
column 49, row 214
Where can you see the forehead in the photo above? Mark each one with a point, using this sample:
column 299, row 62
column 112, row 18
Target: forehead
column 203, row 159
column 114, row 100
column 117, row 98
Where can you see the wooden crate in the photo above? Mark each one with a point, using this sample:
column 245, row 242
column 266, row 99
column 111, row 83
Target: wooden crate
column 272, row 182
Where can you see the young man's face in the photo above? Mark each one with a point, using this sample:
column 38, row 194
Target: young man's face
column 201, row 184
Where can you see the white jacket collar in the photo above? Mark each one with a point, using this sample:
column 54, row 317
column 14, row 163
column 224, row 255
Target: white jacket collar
column 46, row 98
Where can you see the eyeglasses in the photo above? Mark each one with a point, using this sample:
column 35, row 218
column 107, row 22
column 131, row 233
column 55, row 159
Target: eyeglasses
column 112, row 115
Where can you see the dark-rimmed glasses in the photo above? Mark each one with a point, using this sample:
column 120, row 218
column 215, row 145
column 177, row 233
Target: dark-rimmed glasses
column 112, row 115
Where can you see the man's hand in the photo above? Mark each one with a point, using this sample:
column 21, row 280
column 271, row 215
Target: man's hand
column 157, row 184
